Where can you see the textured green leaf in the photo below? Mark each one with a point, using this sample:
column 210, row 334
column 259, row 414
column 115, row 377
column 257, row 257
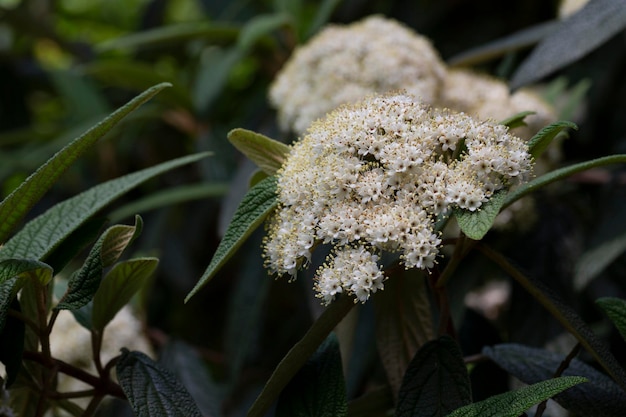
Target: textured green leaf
column 318, row 389
column 516, row 120
column 615, row 308
column 436, row 381
column 514, row 403
column 255, row 206
column 268, row 154
column 538, row 143
column 44, row 233
column 151, row 390
column 476, row 224
column 403, row 323
column 83, row 285
column 559, row 174
column 15, row 206
column 13, row 272
column 600, row 398
column 594, row 24
column 118, row 287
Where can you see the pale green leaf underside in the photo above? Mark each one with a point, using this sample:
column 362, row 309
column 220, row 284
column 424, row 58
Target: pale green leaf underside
column 615, row 308
column 118, row 287
column 475, row 224
column 514, row 403
column 253, row 209
column 268, row 154
column 152, row 390
column 15, row 206
column 539, row 143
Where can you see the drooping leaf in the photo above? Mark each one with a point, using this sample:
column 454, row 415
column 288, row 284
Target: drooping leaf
column 118, row 287
column 615, row 308
column 188, row 367
column 255, row 206
column 42, row 235
column 600, row 398
column 559, row 174
column 268, row 154
column 516, row 120
column 12, row 346
column 476, row 224
column 15, row 206
column 594, row 24
column 151, row 390
column 514, row 403
column 318, row 389
column 83, row 285
column 436, row 381
column 538, row 143
column 403, row 323
column 565, row 315
column 13, row 272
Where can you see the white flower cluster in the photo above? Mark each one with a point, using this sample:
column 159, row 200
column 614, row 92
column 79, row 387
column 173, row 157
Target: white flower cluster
column 373, row 176
column 343, row 64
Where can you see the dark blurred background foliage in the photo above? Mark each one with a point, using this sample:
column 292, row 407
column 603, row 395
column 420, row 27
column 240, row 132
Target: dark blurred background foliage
column 65, row 64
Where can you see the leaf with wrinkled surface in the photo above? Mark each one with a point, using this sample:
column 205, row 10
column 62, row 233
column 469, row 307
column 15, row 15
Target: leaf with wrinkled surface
column 539, row 143
column 584, row 31
column 601, row 397
column 476, row 224
column 514, row 403
column 436, row 382
column 268, row 154
column 151, row 390
column 253, row 209
column 615, row 308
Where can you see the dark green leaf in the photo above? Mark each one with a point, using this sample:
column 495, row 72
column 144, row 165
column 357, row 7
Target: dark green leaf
column 256, row 205
column 118, row 287
column 538, row 143
column 322, row 15
column 516, row 120
column 259, row 26
column 44, row 233
column 83, row 285
column 594, row 24
column 476, row 224
column 19, row 202
column 214, row 69
column 615, row 308
column 436, row 381
column 151, row 390
column 12, row 346
column 514, row 403
column 559, row 174
column 403, row 323
column 592, row 262
column 188, row 367
column 318, row 389
column 268, row 154
column 600, row 398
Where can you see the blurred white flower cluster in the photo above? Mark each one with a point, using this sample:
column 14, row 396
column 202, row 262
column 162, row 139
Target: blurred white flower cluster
column 373, row 176
column 344, row 64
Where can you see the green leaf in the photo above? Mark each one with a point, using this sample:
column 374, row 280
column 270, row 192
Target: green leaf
column 592, row 262
column 476, row 224
column 436, row 381
column 39, row 237
column 615, row 308
column 601, row 397
column 268, row 154
column 559, row 174
column 12, row 346
column 514, row 403
column 260, row 26
column 13, row 272
column 83, row 285
column 15, row 206
column 118, row 287
column 212, row 75
column 403, row 323
column 318, row 389
column 516, row 120
column 539, row 143
column 170, row 198
column 594, row 24
column 151, row 390
column 255, row 206
column 324, row 10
